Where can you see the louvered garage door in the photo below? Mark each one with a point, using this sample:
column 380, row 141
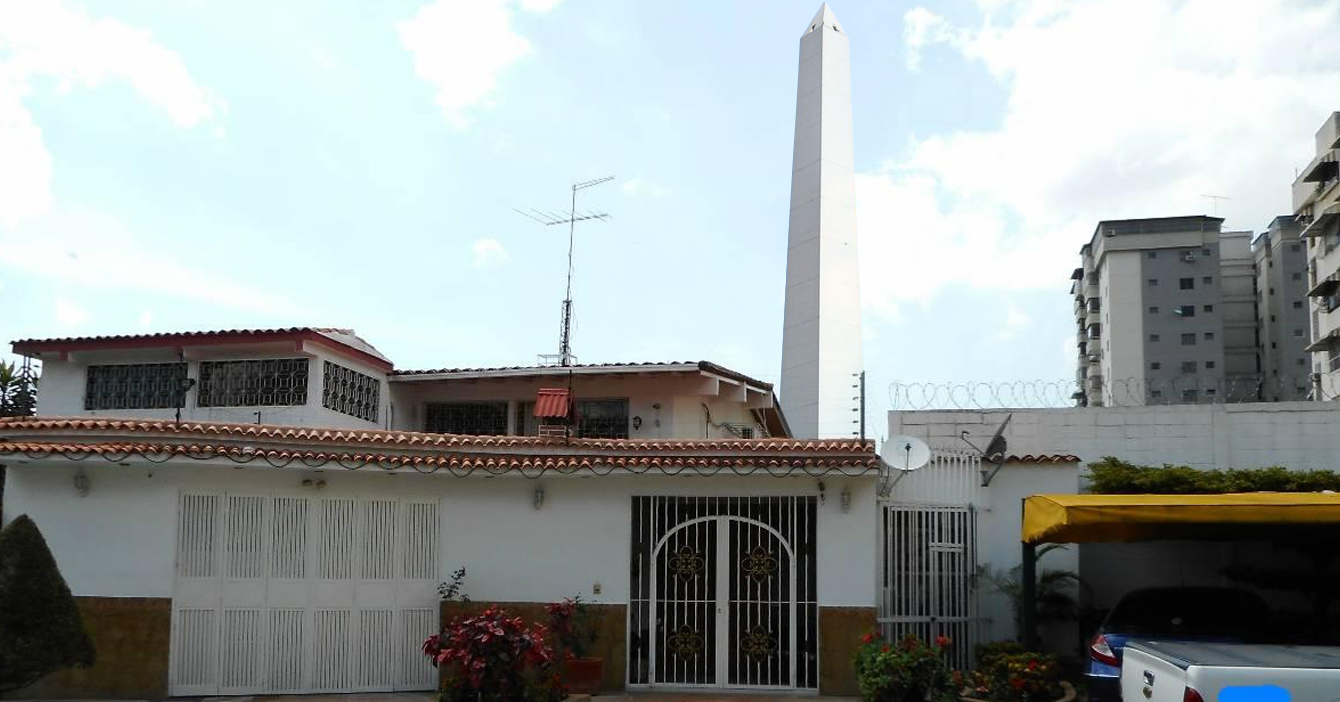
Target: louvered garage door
column 301, row 594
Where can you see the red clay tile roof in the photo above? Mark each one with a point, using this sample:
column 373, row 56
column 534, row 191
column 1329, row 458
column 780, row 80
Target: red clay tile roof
column 344, row 339
column 114, row 438
column 645, row 367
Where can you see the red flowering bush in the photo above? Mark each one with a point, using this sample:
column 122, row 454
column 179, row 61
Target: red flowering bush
column 1008, row 673
column 492, row 657
column 908, row 671
column 573, row 625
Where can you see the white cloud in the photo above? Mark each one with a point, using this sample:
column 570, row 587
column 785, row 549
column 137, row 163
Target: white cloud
column 70, row 314
column 921, row 27
column 47, row 40
column 1015, row 321
column 462, row 51
column 1115, row 108
column 489, row 253
column 97, row 251
column 640, row 187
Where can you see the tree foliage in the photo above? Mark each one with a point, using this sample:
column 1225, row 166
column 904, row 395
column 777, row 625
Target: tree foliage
column 1115, row 477
column 1056, row 590
column 18, row 390
column 41, row 630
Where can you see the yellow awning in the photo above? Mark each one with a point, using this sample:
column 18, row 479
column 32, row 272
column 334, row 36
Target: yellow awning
column 1086, row 518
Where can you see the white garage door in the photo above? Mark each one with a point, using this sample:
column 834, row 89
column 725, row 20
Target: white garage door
column 303, row 594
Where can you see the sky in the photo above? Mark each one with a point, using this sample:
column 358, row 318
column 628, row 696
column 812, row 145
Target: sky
column 190, row 165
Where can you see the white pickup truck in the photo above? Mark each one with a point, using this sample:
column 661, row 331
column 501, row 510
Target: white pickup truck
column 1153, row 671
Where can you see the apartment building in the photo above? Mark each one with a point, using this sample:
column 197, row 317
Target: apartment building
column 1280, row 264
column 1316, row 204
column 1165, row 313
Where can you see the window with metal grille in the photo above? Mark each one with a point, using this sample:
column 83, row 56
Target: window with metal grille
column 602, row 419
column 134, row 386
column 270, row 382
column 1186, row 283
column 1188, row 366
column 475, row 418
column 347, row 391
column 1188, row 339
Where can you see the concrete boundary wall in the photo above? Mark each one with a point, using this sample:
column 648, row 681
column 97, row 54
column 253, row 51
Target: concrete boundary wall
column 1299, row 435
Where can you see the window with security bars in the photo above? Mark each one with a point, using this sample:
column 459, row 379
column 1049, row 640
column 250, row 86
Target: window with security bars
column 602, row 419
column 347, row 391
column 474, row 418
column 135, row 386
column 267, row 382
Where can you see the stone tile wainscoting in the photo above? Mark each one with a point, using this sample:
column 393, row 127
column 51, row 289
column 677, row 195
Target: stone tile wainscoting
column 131, row 635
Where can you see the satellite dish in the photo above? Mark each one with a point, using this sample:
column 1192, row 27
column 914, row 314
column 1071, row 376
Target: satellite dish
column 906, row 453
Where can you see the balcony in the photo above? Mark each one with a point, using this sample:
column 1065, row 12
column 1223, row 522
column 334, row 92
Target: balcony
column 1323, row 168
column 1317, row 225
column 1324, row 287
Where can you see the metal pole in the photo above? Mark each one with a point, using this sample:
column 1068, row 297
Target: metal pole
column 862, row 405
column 1028, row 607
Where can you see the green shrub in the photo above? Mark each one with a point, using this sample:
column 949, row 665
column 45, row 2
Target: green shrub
column 1007, row 673
column 40, row 627
column 908, row 671
column 1115, row 477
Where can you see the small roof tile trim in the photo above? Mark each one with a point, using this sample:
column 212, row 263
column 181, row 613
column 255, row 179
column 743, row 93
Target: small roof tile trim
column 456, row 464
column 26, row 426
column 346, row 337
column 653, row 366
column 1043, row 458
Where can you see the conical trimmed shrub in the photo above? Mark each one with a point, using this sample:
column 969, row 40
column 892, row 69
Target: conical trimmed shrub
column 40, row 627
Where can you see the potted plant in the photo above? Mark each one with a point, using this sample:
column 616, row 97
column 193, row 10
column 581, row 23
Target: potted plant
column 907, row 671
column 574, row 626
column 1006, row 672
column 492, row 657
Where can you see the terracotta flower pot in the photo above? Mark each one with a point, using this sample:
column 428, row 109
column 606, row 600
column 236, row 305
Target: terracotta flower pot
column 1067, row 694
column 583, row 675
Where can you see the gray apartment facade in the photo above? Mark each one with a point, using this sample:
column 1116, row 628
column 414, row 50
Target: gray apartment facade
column 1316, row 203
column 1280, row 261
column 1165, row 313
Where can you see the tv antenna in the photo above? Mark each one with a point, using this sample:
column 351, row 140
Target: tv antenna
column 549, row 219
column 994, row 453
column 1214, row 200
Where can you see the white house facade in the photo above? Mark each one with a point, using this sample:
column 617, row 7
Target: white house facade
column 288, row 533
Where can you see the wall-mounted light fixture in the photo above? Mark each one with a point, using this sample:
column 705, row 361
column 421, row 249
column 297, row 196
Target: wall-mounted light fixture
column 81, row 484
column 315, row 484
column 822, row 496
column 846, row 498
column 637, row 423
column 539, row 496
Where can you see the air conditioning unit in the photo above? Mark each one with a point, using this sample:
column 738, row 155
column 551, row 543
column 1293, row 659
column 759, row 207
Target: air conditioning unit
column 1189, row 257
column 1093, row 358
column 1109, row 232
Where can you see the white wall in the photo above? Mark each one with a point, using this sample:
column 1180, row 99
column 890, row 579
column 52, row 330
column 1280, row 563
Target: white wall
column 954, row 478
column 63, row 384
column 119, row 540
column 1299, row 435
column 680, row 397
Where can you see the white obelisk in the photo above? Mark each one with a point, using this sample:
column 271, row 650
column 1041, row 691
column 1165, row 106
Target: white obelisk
column 821, row 334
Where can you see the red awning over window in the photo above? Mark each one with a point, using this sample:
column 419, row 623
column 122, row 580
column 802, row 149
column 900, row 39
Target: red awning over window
column 552, row 402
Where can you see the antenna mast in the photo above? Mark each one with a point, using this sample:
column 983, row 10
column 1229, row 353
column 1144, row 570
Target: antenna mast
column 549, row 219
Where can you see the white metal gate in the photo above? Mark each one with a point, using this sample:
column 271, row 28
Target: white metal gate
column 301, row 594
column 723, row 593
column 928, row 576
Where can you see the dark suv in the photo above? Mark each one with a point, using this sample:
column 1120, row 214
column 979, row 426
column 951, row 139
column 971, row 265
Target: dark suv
column 1213, row 614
